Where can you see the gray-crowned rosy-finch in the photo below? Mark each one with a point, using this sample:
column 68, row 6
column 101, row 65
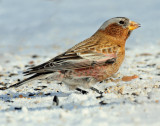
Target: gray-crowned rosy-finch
column 90, row 61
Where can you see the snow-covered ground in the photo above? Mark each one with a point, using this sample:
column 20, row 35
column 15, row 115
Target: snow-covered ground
column 33, row 31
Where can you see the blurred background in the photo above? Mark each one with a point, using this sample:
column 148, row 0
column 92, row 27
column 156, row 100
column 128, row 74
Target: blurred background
column 60, row 24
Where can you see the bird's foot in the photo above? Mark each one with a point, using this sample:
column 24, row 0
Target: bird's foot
column 82, row 91
column 96, row 90
column 99, row 92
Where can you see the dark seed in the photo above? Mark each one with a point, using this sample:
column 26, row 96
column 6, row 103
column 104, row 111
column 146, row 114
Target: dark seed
column 34, row 56
column 31, row 94
column 47, row 94
column 102, row 103
column 9, row 101
column 12, row 74
column 56, row 100
column 37, row 89
column 101, row 96
column 1, row 75
column 7, row 61
column 145, row 88
column 1, row 83
column 151, row 65
column 42, row 87
column 16, row 67
column 135, row 94
column 29, row 65
column 60, row 83
column 18, row 108
column 135, row 101
column 61, row 106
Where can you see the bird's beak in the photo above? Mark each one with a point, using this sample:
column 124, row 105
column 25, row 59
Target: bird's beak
column 133, row 25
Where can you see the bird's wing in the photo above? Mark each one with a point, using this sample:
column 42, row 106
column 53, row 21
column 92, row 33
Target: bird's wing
column 68, row 61
column 80, row 56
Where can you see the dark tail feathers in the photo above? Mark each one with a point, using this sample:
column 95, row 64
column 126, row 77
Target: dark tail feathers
column 36, row 76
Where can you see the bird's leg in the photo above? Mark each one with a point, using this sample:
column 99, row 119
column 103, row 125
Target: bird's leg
column 82, row 91
column 96, row 90
column 92, row 88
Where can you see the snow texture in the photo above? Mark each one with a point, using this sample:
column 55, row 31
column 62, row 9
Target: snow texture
column 33, row 31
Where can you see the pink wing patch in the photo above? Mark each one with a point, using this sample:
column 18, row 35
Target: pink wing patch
column 108, row 56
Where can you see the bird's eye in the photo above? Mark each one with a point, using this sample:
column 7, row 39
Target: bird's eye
column 121, row 22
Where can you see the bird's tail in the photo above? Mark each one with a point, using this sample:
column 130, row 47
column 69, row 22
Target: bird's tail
column 34, row 77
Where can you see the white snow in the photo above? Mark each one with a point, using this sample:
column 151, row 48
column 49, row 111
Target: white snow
column 48, row 27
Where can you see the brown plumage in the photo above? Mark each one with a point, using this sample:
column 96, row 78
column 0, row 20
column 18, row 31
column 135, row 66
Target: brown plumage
column 90, row 61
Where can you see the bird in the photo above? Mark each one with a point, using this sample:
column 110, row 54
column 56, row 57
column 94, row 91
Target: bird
column 88, row 62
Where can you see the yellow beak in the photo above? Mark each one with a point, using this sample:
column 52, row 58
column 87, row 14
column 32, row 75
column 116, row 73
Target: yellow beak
column 133, row 25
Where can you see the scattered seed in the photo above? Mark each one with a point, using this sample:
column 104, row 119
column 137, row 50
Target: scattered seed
column 55, row 100
column 145, row 54
column 47, row 94
column 135, row 101
column 151, row 65
column 149, row 97
column 124, row 102
column 145, row 88
column 31, row 94
column 12, row 74
column 43, row 87
column 120, row 91
column 17, row 67
column 99, row 97
column 29, row 65
column 9, row 101
column 40, row 88
column 40, row 93
column 157, row 101
column 18, row 108
column 21, row 96
column 7, row 61
column 129, row 78
column 61, row 106
column 102, row 103
column 1, row 83
column 37, row 89
column 60, row 83
column 135, row 94
column 31, row 62
column 35, row 56
column 1, row 75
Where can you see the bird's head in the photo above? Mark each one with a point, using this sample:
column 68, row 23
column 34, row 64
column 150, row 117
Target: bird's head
column 119, row 27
